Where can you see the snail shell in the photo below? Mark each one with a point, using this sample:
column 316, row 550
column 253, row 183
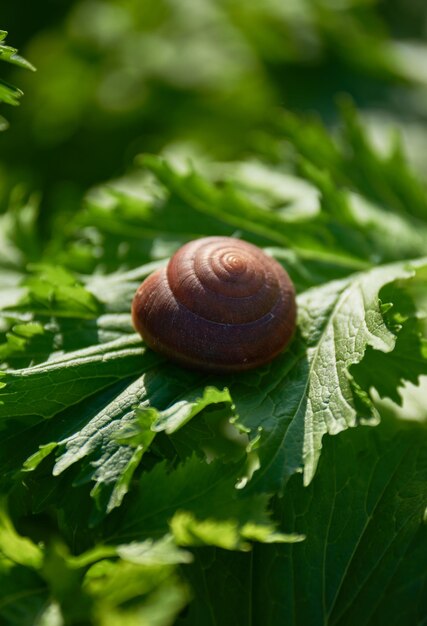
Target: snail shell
column 221, row 304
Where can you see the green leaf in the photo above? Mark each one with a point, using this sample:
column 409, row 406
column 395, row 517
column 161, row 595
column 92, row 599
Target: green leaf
column 113, row 432
column 386, row 373
column 9, row 54
column 55, row 291
column 310, row 387
column 50, row 387
column 200, row 503
column 363, row 557
column 21, row 340
column 9, row 93
column 29, row 343
column 18, row 549
column 149, row 552
column 23, row 594
column 134, row 595
column 130, row 485
column 285, row 407
column 222, row 583
column 188, row 531
column 353, row 162
column 46, row 580
column 23, row 591
column 369, row 230
column 361, row 533
column 182, row 411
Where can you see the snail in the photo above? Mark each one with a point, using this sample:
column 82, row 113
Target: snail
column 221, row 305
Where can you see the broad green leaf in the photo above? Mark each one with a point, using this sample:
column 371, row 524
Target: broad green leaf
column 48, row 388
column 29, row 343
column 129, row 485
column 363, row 557
column 56, row 314
column 222, row 583
column 308, row 392
column 110, row 436
column 101, row 438
column 286, row 407
column 361, row 533
column 201, row 504
column 53, row 291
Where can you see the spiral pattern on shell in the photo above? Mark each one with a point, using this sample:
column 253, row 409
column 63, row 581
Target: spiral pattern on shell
column 221, row 304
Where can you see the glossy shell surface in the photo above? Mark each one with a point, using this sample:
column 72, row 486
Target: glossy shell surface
column 220, row 305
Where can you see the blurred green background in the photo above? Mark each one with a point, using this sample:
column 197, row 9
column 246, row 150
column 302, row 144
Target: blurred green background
column 119, row 77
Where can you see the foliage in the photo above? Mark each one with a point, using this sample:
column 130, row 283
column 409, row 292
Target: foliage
column 132, row 491
column 9, row 93
column 118, row 465
column 118, row 78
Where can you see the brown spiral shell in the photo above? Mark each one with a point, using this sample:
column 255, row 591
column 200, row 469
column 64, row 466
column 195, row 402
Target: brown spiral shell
column 221, row 304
